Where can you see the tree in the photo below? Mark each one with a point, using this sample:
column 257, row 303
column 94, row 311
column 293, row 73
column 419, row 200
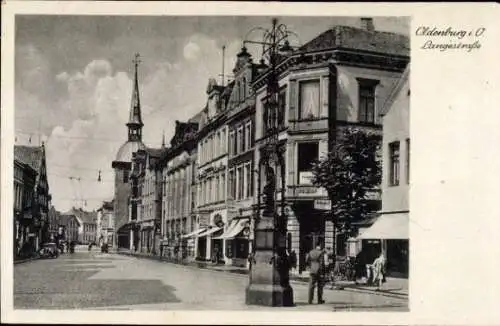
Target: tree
column 350, row 173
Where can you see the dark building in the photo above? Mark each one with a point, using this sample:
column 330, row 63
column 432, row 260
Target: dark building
column 38, row 207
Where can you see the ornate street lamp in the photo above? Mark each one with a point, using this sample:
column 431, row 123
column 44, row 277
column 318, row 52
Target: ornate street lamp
column 269, row 269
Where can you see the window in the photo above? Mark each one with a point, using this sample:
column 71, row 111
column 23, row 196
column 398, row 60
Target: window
column 239, row 141
column 244, row 89
column 307, row 154
column 231, row 143
column 394, row 163
column 248, row 181
column 309, row 99
column 248, row 135
column 125, row 176
column 241, row 185
column 218, row 144
column 281, row 108
column 408, row 161
column 367, row 100
column 232, row 184
column 242, row 139
column 223, row 142
column 217, row 193
column 223, row 187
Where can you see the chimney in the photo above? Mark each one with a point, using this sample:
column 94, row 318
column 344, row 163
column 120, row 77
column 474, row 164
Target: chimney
column 367, row 24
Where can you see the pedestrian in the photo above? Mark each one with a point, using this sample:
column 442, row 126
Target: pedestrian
column 315, row 259
column 378, row 270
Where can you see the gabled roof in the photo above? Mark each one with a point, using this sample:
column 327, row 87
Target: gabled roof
column 83, row 216
column 29, row 155
column 349, row 37
column 395, row 91
column 65, row 218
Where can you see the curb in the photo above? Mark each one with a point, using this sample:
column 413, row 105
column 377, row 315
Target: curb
column 292, row 279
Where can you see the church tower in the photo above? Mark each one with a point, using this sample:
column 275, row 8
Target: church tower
column 122, row 166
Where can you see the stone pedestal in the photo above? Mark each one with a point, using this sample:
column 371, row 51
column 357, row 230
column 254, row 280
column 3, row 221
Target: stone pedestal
column 267, row 286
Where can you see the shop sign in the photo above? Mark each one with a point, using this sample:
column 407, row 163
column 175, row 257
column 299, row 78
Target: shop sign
column 323, row 204
column 306, row 177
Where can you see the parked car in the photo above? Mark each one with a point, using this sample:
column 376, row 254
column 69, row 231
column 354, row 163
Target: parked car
column 49, row 250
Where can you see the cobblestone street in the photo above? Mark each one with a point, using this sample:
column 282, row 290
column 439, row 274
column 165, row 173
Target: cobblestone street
column 109, row 281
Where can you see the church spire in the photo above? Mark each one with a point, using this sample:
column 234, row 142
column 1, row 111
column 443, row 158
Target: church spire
column 163, row 139
column 135, row 120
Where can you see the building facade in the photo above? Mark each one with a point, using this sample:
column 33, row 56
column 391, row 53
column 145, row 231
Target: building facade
column 211, row 175
column 178, row 197
column 390, row 231
column 36, row 159
column 105, row 224
column 24, row 184
column 71, row 226
column 338, row 80
column 127, row 234
column 146, row 178
column 240, row 123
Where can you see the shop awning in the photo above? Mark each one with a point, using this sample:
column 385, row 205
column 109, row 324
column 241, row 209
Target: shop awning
column 209, row 231
column 388, row 226
column 234, row 229
column 192, row 234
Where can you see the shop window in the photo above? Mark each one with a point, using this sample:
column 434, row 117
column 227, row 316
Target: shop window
column 240, row 248
column 307, row 154
column 309, row 104
column 394, row 163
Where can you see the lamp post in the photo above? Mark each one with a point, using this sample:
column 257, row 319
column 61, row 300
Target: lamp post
column 269, row 271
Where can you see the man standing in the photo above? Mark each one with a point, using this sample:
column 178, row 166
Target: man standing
column 316, row 261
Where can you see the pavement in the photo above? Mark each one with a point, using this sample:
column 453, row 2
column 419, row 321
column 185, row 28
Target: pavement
column 397, row 287
column 92, row 280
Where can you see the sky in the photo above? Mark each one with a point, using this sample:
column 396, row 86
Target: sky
column 73, row 84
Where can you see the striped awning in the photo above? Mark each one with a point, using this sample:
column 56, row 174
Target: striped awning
column 193, row 234
column 209, row 231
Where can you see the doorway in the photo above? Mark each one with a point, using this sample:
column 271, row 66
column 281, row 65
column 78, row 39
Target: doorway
column 312, row 233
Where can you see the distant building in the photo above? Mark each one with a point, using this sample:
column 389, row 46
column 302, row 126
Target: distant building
column 36, row 159
column 105, row 231
column 70, row 226
column 390, row 231
column 87, row 225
